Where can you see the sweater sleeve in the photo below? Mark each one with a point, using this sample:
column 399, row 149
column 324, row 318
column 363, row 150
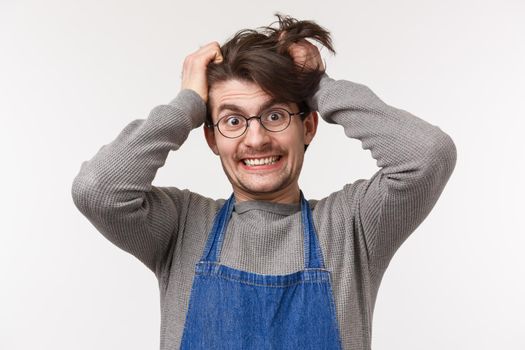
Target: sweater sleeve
column 114, row 191
column 415, row 159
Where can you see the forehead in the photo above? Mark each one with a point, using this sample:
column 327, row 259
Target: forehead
column 247, row 96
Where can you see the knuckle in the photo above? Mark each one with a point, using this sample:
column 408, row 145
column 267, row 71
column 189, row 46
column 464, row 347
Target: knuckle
column 187, row 61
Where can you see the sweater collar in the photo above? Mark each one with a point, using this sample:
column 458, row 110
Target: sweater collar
column 272, row 207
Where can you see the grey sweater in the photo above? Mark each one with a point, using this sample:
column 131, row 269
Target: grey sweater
column 360, row 227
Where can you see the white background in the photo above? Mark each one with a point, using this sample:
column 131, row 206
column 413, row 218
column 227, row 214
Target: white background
column 74, row 73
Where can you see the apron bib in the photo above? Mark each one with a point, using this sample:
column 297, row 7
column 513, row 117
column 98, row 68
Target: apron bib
column 233, row 309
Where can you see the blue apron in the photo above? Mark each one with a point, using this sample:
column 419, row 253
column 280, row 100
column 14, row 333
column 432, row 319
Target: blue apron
column 233, row 309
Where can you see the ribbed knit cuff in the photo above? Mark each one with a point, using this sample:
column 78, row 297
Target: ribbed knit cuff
column 192, row 104
column 313, row 103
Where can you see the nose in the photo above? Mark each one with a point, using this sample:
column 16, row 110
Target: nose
column 256, row 135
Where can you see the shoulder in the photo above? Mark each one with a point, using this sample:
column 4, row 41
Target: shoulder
column 192, row 203
column 344, row 201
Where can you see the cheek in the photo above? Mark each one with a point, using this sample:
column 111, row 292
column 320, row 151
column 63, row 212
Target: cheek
column 296, row 141
column 226, row 149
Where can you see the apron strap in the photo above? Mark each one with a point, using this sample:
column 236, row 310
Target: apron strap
column 313, row 257
column 216, row 235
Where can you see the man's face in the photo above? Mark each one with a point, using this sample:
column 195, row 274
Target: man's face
column 278, row 155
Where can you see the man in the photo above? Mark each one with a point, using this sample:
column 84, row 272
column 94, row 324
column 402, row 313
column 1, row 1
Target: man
column 266, row 269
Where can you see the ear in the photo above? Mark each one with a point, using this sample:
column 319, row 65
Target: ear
column 209, row 134
column 310, row 127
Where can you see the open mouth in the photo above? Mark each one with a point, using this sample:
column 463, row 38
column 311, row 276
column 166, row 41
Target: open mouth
column 253, row 162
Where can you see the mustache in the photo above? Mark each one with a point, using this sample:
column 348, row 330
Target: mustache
column 253, row 153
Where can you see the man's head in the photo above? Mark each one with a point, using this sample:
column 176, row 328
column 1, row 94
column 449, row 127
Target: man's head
column 258, row 74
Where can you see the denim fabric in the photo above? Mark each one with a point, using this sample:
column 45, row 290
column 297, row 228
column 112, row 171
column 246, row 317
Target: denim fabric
column 233, row 309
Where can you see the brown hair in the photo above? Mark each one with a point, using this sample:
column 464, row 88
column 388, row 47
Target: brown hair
column 261, row 57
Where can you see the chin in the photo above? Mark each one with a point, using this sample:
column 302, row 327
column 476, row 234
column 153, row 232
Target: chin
column 263, row 187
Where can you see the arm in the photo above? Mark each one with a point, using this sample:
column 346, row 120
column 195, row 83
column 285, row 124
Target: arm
column 114, row 188
column 416, row 160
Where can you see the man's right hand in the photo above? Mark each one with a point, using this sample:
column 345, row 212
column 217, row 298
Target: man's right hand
column 194, row 68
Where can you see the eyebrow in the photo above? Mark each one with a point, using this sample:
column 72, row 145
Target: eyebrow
column 235, row 108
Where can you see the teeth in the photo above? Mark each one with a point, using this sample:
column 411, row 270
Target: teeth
column 260, row 161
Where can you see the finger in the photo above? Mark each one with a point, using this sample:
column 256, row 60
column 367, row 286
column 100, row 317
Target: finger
column 218, row 56
column 212, row 53
column 203, row 56
column 306, row 55
column 305, row 45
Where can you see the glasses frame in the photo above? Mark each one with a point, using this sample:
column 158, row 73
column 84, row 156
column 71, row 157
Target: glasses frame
column 258, row 117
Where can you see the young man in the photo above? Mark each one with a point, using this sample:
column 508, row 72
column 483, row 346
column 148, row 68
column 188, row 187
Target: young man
column 266, row 269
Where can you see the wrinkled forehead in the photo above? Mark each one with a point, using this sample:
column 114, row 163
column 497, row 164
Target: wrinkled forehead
column 243, row 97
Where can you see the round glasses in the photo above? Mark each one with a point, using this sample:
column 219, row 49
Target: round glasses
column 235, row 125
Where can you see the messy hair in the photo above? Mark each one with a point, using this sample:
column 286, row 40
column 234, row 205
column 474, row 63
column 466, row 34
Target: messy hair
column 261, row 56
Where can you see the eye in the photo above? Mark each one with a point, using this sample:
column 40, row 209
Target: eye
column 231, row 121
column 275, row 116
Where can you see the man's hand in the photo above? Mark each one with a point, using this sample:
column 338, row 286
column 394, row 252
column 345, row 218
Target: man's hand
column 194, row 68
column 305, row 54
